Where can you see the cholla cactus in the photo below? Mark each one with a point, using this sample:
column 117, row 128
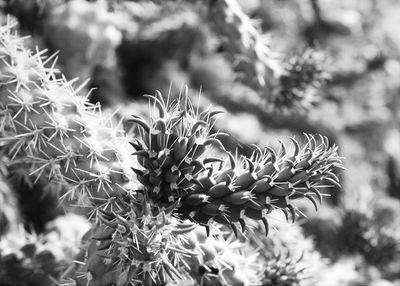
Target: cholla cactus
column 169, row 147
column 55, row 133
column 9, row 215
column 303, row 75
column 224, row 260
column 378, row 244
column 48, row 127
column 288, row 256
column 140, row 236
column 291, row 86
column 172, row 150
column 282, row 269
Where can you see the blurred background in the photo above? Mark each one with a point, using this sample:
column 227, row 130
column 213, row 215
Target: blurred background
column 310, row 66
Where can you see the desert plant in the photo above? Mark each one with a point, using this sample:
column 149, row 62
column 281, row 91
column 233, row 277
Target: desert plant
column 27, row 258
column 146, row 194
column 379, row 244
column 284, row 84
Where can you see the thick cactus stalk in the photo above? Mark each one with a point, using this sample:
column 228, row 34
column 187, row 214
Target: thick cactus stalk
column 246, row 46
column 291, row 85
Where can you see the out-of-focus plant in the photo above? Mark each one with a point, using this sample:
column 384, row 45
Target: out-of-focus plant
column 368, row 231
column 289, row 257
column 289, row 83
column 378, row 243
column 9, row 214
column 31, row 259
column 86, row 35
column 284, row 85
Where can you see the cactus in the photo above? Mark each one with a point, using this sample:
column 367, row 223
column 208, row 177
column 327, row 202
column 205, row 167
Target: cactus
column 51, row 131
column 227, row 261
column 304, row 74
column 282, row 269
column 32, row 259
column 140, row 191
column 284, row 85
column 175, row 168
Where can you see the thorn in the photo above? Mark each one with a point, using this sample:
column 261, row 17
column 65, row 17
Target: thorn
column 251, row 165
column 296, row 146
column 266, row 225
column 207, row 230
column 232, row 161
column 292, row 212
column 242, row 224
column 317, row 193
column 140, row 121
column 234, row 229
column 312, row 199
column 282, row 151
column 197, row 125
column 271, row 153
column 216, row 112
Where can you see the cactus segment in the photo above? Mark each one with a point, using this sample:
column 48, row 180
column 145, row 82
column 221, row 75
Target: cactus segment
column 284, row 84
column 170, row 147
column 268, row 181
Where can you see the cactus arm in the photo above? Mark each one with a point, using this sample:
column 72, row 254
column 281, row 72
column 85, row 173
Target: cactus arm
column 284, row 84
